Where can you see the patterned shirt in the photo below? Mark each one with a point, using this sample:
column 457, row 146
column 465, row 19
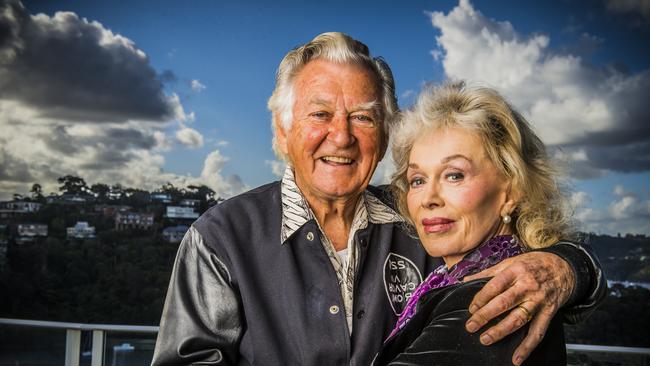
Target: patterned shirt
column 296, row 212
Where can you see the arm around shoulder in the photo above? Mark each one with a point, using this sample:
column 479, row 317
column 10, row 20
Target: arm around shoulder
column 201, row 320
column 590, row 287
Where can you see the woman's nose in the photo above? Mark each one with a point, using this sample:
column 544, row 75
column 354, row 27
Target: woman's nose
column 431, row 198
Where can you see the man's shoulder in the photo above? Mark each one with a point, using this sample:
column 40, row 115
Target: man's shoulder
column 263, row 199
column 384, row 193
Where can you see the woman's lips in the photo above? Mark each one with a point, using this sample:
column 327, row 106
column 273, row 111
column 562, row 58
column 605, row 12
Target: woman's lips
column 437, row 225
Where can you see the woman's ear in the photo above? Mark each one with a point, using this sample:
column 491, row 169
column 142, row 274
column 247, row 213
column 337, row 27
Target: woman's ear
column 512, row 200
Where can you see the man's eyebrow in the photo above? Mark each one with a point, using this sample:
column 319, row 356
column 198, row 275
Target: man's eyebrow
column 367, row 106
column 321, row 101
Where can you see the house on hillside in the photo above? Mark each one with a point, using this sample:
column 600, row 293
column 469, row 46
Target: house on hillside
column 133, row 220
column 174, row 234
column 17, row 208
column 28, row 232
column 189, row 202
column 81, row 230
column 111, row 210
column 161, row 197
column 179, row 212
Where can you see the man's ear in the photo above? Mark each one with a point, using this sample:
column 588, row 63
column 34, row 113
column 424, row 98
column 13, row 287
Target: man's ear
column 280, row 134
column 384, row 145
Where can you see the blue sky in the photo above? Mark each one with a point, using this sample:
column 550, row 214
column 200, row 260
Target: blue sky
column 143, row 92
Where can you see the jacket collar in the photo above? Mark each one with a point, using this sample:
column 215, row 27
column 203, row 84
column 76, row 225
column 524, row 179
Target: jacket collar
column 296, row 211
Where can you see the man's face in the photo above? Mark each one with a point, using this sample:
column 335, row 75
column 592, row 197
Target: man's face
column 335, row 140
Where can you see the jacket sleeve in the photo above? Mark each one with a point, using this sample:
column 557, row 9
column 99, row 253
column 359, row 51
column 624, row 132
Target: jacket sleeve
column 201, row 323
column 444, row 341
column 591, row 286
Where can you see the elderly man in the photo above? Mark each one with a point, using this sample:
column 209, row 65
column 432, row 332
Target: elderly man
column 313, row 270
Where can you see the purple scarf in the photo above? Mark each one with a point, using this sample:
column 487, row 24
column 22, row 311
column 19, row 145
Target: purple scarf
column 485, row 256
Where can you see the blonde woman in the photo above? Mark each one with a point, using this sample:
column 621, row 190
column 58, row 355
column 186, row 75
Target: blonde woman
column 475, row 183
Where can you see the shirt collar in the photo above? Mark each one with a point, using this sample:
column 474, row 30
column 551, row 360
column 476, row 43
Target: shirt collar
column 296, row 211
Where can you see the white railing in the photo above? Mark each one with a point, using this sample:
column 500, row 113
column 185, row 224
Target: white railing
column 73, row 336
column 73, row 340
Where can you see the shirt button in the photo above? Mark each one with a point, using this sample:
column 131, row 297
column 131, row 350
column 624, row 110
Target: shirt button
column 310, row 236
column 334, row 309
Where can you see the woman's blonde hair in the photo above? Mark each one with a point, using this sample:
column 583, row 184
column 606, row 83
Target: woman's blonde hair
column 540, row 218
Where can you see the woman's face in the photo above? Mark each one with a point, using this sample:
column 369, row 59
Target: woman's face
column 456, row 196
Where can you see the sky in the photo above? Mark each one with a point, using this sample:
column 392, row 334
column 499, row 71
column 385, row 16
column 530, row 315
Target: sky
column 143, row 93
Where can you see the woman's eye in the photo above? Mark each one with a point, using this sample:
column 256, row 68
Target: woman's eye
column 454, row 177
column 416, row 182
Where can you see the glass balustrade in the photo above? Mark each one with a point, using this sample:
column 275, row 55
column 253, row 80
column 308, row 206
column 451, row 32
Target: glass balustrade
column 43, row 343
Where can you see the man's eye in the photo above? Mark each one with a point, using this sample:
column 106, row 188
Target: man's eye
column 454, row 177
column 320, row 115
column 362, row 118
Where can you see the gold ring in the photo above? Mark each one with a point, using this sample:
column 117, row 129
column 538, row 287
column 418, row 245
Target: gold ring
column 527, row 313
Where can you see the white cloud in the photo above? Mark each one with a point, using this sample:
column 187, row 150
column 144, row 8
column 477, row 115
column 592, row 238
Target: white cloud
column 570, row 102
column 213, row 177
column 628, row 205
column 197, row 86
column 189, row 137
column 580, row 199
column 622, row 208
column 620, row 191
column 277, row 167
column 65, row 118
column 407, row 94
column 179, row 111
column 625, row 214
column 384, row 170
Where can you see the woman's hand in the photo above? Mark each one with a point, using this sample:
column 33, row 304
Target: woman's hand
column 538, row 282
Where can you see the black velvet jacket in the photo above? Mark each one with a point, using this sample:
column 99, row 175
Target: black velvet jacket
column 239, row 296
column 436, row 335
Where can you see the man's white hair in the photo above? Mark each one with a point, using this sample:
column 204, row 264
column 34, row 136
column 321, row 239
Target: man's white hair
column 335, row 47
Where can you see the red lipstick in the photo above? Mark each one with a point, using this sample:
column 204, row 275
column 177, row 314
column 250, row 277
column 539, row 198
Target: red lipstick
column 436, row 225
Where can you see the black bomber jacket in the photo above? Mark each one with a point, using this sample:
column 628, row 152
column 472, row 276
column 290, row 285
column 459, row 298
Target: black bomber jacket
column 238, row 296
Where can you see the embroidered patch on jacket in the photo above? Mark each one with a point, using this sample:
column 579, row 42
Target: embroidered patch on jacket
column 401, row 278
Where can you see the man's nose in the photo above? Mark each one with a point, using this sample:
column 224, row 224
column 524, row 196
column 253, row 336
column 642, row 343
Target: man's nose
column 340, row 131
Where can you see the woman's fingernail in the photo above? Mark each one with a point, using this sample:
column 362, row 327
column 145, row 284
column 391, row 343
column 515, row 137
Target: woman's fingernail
column 473, row 308
column 486, row 339
column 518, row 360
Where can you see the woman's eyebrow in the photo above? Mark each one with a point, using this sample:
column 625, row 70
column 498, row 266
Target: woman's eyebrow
column 454, row 157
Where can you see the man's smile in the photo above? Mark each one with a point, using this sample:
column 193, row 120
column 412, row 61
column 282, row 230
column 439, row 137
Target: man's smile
column 338, row 160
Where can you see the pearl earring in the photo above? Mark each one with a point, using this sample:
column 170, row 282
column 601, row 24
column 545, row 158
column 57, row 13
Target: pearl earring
column 506, row 219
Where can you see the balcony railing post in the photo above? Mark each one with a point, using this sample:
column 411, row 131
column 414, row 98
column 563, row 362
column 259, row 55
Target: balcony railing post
column 72, row 347
column 98, row 348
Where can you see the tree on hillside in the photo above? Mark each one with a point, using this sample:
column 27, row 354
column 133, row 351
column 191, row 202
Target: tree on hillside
column 70, row 184
column 37, row 192
column 202, row 192
column 116, row 191
column 100, row 191
column 173, row 191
